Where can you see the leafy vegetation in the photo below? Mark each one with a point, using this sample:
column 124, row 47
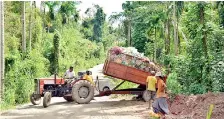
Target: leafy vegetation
column 56, row 42
column 185, row 37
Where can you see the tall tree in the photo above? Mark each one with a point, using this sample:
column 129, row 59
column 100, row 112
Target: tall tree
column 179, row 11
column 2, row 61
column 126, row 18
column 68, row 9
column 98, row 24
column 220, row 7
column 42, row 9
column 30, row 25
column 124, row 23
column 175, row 29
column 167, row 30
column 201, row 6
column 148, row 21
column 52, row 5
column 56, row 53
column 24, row 26
column 127, row 10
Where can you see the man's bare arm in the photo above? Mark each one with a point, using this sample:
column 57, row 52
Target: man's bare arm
column 146, row 84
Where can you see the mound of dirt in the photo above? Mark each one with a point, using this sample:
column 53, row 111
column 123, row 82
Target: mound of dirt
column 197, row 106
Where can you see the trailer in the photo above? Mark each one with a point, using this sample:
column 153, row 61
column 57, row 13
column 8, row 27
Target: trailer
column 127, row 73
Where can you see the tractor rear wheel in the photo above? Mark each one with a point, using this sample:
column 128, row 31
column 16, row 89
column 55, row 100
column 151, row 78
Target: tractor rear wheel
column 35, row 100
column 47, row 99
column 82, row 92
column 68, row 98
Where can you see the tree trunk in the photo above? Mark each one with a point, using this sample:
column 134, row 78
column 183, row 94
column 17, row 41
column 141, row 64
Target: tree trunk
column 2, row 64
column 35, row 7
column 167, row 41
column 43, row 18
column 23, row 27
column 30, row 27
column 178, row 39
column 175, row 29
column 204, row 41
column 129, row 33
column 56, row 53
column 154, row 59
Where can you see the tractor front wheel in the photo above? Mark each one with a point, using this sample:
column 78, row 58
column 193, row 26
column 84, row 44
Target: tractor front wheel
column 47, row 99
column 35, row 100
column 82, row 92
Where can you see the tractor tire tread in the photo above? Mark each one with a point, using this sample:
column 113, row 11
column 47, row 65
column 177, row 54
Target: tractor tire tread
column 46, row 100
column 33, row 101
column 75, row 89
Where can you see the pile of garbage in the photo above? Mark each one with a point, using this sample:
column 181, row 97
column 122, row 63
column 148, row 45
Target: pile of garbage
column 131, row 57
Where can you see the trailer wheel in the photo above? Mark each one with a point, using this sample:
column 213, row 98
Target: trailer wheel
column 146, row 96
column 35, row 100
column 68, row 98
column 140, row 96
column 47, row 99
column 106, row 88
column 82, row 92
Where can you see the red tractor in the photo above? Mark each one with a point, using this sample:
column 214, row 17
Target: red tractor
column 78, row 90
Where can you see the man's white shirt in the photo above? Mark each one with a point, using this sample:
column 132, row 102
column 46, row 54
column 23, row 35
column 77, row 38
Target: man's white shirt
column 69, row 74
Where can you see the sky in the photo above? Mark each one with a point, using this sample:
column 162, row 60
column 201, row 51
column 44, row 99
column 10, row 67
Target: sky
column 109, row 6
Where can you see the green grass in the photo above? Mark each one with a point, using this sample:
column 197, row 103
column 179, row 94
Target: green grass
column 125, row 85
column 5, row 106
column 153, row 117
column 209, row 113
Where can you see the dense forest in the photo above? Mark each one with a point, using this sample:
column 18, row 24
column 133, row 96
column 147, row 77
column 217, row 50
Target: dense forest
column 185, row 37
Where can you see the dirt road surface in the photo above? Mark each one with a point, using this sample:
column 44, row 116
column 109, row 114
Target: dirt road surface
column 100, row 108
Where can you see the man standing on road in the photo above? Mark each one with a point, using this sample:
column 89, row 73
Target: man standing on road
column 69, row 74
column 151, row 88
column 160, row 105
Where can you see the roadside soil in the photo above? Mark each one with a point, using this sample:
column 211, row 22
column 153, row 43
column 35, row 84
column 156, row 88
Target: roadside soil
column 197, row 106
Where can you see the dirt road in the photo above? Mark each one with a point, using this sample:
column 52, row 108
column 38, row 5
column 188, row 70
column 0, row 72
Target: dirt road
column 100, row 108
